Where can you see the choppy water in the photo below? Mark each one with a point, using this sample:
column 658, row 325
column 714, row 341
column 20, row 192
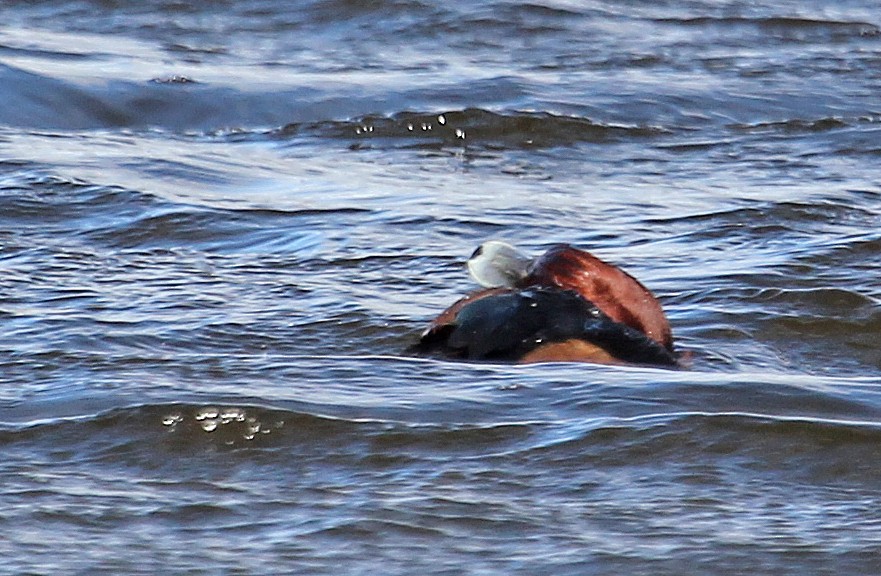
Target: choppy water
column 221, row 224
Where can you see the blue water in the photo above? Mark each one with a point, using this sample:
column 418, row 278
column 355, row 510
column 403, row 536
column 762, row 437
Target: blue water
column 223, row 224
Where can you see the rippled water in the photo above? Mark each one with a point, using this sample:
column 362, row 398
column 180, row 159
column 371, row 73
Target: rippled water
column 222, row 224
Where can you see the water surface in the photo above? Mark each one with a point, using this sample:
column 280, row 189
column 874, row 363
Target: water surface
column 221, row 225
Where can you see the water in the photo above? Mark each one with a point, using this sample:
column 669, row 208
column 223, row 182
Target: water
column 221, row 225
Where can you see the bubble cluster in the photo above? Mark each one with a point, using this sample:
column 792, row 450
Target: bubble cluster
column 232, row 423
column 172, row 419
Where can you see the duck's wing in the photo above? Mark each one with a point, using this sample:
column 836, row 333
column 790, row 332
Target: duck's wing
column 434, row 338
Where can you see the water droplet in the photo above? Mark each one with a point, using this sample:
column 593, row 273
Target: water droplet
column 410, row 127
column 460, row 133
column 441, row 119
column 209, row 425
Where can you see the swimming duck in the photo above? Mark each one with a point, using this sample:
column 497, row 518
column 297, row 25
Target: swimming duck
column 565, row 305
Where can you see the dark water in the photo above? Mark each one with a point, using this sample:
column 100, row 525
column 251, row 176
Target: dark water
column 222, row 223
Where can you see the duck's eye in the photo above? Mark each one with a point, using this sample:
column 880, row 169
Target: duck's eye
column 477, row 252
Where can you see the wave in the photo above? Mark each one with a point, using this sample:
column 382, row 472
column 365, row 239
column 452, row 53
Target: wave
column 38, row 101
column 698, row 446
column 474, row 125
column 187, row 427
column 372, row 117
column 782, row 26
column 113, row 216
column 178, row 435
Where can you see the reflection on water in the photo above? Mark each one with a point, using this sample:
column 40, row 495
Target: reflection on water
column 222, row 225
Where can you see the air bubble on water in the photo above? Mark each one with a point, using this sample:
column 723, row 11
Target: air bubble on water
column 172, row 419
column 209, row 425
column 208, row 412
column 232, row 414
column 226, row 417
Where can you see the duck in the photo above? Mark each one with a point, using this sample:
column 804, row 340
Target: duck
column 565, row 305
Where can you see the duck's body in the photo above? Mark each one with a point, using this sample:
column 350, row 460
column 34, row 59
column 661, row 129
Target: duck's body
column 566, row 305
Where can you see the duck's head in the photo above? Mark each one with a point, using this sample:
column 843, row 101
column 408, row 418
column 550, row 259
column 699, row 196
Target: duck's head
column 498, row 265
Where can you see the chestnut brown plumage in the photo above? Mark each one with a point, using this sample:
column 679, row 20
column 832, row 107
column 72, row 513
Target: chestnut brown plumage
column 618, row 294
